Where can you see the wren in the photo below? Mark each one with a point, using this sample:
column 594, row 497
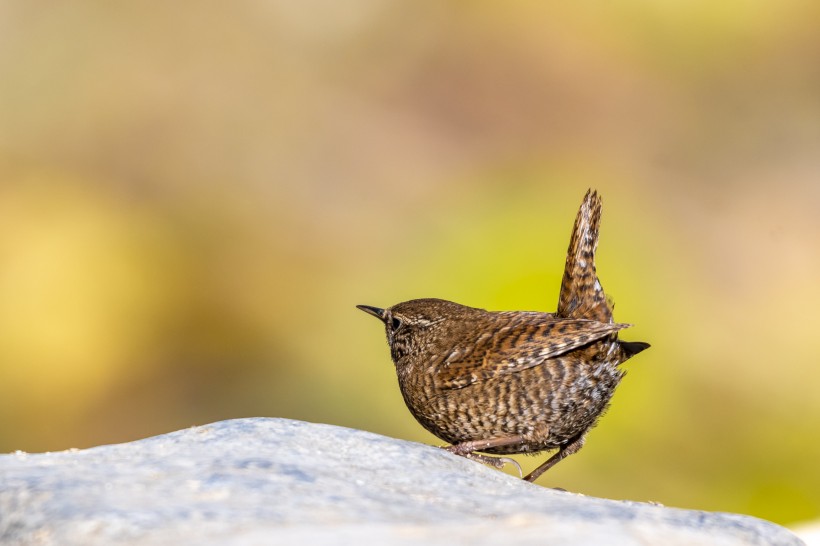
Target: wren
column 513, row 382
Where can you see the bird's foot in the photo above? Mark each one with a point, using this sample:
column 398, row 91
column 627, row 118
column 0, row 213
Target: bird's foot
column 495, row 462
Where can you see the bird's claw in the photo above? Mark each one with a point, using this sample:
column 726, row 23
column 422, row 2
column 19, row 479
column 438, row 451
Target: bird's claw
column 495, row 462
column 501, row 462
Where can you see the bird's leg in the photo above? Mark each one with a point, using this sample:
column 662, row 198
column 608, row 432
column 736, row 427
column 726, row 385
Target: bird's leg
column 565, row 451
column 468, row 449
column 464, row 448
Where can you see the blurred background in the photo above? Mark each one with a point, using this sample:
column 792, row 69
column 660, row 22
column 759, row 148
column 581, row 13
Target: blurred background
column 195, row 195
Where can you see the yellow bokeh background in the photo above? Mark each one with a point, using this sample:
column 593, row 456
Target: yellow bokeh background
column 195, row 195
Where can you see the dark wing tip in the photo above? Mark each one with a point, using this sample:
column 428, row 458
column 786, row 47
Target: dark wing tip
column 631, row 348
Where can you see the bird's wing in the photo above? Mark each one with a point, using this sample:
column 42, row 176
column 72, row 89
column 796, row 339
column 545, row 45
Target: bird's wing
column 516, row 347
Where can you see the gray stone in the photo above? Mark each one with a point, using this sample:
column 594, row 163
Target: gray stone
column 262, row 481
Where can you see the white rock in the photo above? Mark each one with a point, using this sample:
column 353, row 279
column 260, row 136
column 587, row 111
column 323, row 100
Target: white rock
column 262, row 481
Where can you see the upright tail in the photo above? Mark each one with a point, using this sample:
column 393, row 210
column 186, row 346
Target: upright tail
column 582, row 295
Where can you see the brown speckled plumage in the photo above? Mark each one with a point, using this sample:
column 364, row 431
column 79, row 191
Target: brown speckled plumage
column 513, row 382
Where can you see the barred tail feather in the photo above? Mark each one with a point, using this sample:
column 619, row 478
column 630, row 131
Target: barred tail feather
column 582, row 295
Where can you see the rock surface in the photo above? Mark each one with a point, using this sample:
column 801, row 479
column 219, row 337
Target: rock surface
column 262, row 481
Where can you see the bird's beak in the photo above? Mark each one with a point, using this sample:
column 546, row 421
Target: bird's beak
column 375, row 311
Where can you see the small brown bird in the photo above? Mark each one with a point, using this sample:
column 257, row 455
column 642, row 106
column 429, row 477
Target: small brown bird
column 514, row 381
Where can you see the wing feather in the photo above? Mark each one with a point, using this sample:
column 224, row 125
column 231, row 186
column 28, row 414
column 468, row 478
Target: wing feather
column 516, row 347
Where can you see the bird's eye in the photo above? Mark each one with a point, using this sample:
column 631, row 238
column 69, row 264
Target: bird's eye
column 395, row 323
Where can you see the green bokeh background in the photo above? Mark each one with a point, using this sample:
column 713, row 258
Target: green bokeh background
column 194, row 196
